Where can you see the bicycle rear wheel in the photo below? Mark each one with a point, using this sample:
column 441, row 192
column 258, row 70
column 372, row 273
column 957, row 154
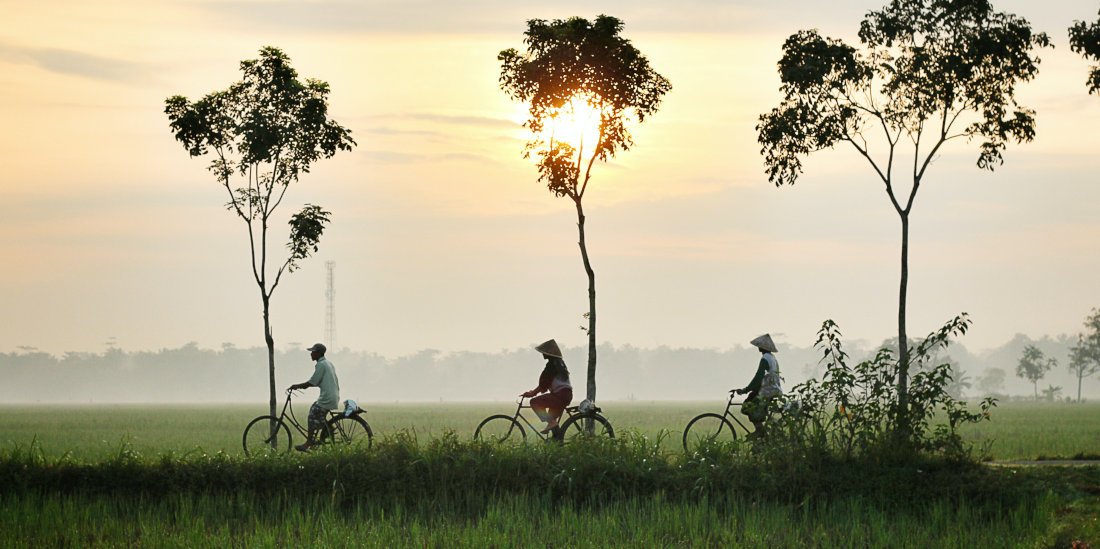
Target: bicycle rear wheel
column 706, row 429
column 266, row 435
column 352, row 430
column 576, row 428
column 500, row 428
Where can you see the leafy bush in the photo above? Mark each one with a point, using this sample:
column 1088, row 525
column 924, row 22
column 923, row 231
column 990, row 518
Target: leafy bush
column 853, row 411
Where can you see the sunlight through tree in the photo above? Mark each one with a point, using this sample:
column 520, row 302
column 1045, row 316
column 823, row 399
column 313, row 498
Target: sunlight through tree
column 583, row 83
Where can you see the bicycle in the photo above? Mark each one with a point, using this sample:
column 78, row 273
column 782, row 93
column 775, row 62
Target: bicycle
column 270, row 434
column 709, row 427
column 500, row 428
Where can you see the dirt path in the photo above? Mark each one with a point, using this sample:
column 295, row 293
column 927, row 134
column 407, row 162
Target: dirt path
column 1047, row 463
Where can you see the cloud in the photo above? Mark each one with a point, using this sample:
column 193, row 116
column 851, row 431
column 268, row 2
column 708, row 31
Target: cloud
column 74, row 63
column 509, row 17
column 394, row 157
column 458, row 120
column 483, row 16
column 385, row 130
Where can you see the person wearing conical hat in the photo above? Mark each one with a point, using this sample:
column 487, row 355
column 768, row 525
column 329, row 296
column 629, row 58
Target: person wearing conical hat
column 765, row 385
column 554, row 381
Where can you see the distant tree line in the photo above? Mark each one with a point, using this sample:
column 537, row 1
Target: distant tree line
column 231, row 374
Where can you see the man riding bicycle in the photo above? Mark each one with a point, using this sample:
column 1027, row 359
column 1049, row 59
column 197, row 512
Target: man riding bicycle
column 324, row 376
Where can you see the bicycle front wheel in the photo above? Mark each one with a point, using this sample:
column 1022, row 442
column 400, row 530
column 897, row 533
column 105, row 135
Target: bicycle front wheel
column 576, row 428
column 350, row 430
column 500, row 428
column 707, row 428
column 266, row 435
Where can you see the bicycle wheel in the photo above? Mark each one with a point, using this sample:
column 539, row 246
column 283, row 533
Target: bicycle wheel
column 266, row 435
column 500, row 428
column 352, row 430
column 575, row 428
column 707, row 428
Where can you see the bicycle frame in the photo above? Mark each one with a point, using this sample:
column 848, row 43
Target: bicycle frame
column 566, row 414
column 733, row 417
column 293, row 420
column 290, row 418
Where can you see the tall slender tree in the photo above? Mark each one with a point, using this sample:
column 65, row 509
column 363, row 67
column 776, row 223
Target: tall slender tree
column 928, row 72
column 573, row 66
column 1085, row 40
column 1084, row 356
column 262, row 133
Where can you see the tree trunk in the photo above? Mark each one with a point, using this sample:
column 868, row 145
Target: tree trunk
column 591, row 392
column 270, row 339
column 1035, row 384
column 903, row 340
column 1079, row 377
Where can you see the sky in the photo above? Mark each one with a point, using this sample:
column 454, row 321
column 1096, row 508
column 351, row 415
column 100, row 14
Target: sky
column 441, row 235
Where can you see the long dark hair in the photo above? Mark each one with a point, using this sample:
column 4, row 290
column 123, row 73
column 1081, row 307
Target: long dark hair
column 556, row 367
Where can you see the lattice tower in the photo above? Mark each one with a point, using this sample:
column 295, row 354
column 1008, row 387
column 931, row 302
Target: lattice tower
column 330, row 304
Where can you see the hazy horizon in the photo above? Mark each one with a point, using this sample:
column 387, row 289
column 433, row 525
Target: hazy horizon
column 442, row 237
column 183, row 375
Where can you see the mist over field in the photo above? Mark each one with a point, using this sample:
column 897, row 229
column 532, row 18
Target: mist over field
column 239, row 375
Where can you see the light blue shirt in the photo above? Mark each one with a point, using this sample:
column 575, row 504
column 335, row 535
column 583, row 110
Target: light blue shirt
column 324, row 376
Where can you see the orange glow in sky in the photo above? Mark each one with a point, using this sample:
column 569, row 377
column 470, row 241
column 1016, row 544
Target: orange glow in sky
column 578, row 124
column 444, row 236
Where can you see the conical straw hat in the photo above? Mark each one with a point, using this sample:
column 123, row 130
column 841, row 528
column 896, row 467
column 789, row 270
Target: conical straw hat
column 549, row 347
column 765, row 342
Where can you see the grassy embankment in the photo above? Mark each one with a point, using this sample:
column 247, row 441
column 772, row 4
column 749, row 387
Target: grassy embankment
column 449, row 492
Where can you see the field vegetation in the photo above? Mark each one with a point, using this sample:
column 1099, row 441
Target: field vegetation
column 838, row 468
column 175, row 476
column 446, row 491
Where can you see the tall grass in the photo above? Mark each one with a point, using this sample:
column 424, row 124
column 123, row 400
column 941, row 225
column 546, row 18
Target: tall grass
column 463, row 474
column 515, row 521
column 449, row 491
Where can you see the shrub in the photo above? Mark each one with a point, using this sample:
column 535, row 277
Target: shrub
column 852, row 411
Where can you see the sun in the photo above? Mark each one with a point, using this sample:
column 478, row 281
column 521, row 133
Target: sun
column 577, row 123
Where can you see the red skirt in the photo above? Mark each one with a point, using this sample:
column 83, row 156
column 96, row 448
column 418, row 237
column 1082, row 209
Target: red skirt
column 555, row 402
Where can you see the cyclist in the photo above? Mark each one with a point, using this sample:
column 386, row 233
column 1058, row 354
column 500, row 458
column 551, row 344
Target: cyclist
column 765, row 385
column 554, row 381
column 324, row 376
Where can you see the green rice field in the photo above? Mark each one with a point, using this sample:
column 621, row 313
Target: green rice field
column 1018, row 431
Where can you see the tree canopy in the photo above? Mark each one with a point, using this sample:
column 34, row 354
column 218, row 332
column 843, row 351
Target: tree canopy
column 268, row 128
column 1085, row 40
column 924, row 64
column 569, row 60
